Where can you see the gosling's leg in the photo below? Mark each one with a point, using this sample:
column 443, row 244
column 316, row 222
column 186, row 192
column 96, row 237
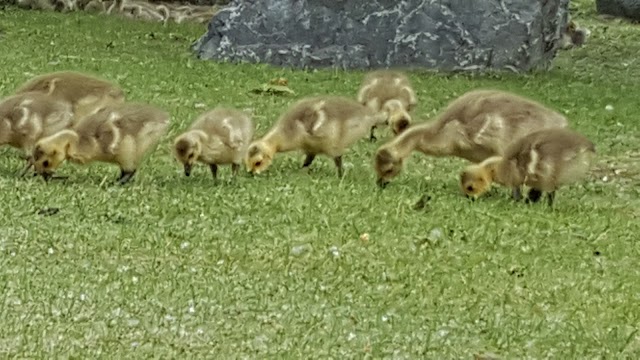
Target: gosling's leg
column 338, row 161
column 308, row 160
column 516, row 194
column 214, row 171
column 373, row 137
column 550, row 197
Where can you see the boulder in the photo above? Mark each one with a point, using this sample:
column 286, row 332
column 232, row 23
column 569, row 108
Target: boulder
column 629, row 9
column 445, row 35
column 192, row 2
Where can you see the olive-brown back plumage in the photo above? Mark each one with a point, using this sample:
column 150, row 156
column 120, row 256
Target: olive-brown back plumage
column 85, row 92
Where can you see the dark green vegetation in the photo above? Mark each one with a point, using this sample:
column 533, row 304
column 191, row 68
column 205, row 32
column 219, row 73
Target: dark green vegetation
column 274, row 266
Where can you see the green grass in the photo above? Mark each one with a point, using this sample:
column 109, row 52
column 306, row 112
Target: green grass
column 273, row 266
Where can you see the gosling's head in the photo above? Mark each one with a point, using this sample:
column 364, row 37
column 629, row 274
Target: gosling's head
column 387, row 166
column 398, row 117
column 475, row 180
column 399, row 122
column 47, row 155
column 259, row 157
column 187, row 150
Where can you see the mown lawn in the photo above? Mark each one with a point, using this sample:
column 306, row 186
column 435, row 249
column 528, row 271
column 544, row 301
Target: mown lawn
column 274, row 266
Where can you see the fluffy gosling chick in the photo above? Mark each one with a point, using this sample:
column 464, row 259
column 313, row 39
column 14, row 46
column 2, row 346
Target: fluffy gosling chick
column 573, row 36
column 391, row 92
column 25, row 118
column 326, row 125
column 86, row 93
column 218, row 137
column 120, row 134
column 543, row 160
column 475, row 126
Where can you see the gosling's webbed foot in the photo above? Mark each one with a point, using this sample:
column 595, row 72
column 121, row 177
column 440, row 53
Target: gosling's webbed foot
column 125, row 176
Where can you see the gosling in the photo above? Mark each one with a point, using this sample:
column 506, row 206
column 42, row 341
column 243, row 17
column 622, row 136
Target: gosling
column 120, row 134
column 86, row 93
column 475, row 126
column 544, row 160
column 391, row 92
column 326, row 125
column 218, row 137
column 25, row 118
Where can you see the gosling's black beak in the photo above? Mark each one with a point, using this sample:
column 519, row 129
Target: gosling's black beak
column 382, row 183
column 187, row 169
column 46, row 176
column 472, row 198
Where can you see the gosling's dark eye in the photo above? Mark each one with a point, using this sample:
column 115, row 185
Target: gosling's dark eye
column 388, row 172
column 469, row 188
column 45, row 163
column 191, row 156
column 258, row 163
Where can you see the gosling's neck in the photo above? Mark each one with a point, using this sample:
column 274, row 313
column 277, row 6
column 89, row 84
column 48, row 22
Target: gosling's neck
column 502, row 171
column 69, row 140
column 419, row 138
column 274, row 142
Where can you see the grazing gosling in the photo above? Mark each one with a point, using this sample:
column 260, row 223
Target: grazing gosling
column 573, row 36
column 218, row 137
column 391, row 92
column 326, row 125
column 475, row 126
column 87, row 94
column 543, row 160
column 25, row 118
column 121, row 134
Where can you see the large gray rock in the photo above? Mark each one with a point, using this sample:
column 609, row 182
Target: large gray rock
column 437, row 34
column 192, row 2
column 621, row 8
